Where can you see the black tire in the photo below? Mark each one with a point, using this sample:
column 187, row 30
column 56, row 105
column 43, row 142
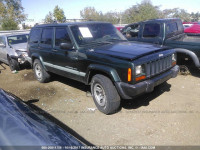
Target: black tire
column 13, row 64
column 111, row 103
column 40, row 73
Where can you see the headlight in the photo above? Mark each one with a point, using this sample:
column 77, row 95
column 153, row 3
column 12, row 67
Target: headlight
column 173, row 57
column 20, row 53
column 138, row 70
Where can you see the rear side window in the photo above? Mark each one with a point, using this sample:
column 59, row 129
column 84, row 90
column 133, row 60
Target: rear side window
column 35, row 35
column 47, row 35
column 171, row 27
column 151, row 30
column 62, row 36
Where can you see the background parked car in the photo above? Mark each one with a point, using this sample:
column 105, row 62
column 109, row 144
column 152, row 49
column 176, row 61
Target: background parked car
column 188, row 24
column 167, row 32
column 193, row 30
column 20, row 126
column 13, row 48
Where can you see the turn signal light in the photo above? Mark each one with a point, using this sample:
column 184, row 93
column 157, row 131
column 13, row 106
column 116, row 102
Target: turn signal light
column 140, row 78
column 174, row 63
column 129, row 74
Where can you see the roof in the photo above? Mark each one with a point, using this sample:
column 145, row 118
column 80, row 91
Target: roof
column 14, row 32
column 159, row 20
column 70, row 23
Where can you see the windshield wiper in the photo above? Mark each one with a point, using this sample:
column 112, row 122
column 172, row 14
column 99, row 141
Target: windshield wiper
column 93, row 43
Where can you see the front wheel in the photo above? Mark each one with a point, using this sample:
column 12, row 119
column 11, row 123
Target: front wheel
column 105, row 95
column 13, row 64
column 40, row 73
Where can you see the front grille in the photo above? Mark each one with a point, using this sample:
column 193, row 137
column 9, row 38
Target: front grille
column 155, row 67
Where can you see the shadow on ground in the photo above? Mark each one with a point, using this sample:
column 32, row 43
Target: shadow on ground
column 2, row 67
column 145, row 99
column 70, row 82
column 195, row 72
column 135, row 103
column 38, row 110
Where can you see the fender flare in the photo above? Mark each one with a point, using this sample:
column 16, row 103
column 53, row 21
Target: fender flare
column 112, row 73
column 191, row 54
column 36, row 56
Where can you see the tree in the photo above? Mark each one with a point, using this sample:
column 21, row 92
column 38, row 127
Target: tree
column 9, row 24
column 90, row 13
column 112, row 17
column 49, row 18
column 177, row 13
column 11, row 14
column 143, row 11
column 57, row 15
column 195, row 16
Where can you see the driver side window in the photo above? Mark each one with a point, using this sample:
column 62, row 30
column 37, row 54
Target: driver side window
column 61, row 36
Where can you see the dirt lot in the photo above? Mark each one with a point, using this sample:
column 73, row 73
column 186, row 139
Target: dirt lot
column 168, row 116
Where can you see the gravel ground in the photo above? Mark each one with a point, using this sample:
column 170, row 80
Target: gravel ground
column 170, row 115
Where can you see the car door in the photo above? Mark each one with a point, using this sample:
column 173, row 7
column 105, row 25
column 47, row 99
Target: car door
column 3, row 52
column 34, row 39
column 64, row 61
column 46, row 46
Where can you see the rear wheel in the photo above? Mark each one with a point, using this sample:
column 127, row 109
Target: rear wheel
column 13, row 64
column 105, row 95
column 40, row 73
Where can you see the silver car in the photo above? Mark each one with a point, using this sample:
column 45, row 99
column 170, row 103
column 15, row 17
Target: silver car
column 13, row 49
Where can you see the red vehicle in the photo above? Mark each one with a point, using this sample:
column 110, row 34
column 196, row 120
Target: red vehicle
column 194, row 29
column 119, row 27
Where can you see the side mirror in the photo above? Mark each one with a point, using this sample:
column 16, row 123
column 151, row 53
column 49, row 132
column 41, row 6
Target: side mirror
column 2, row 45
column 66, row 46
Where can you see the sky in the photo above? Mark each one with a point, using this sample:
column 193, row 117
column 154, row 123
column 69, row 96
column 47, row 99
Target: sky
column 38, row 9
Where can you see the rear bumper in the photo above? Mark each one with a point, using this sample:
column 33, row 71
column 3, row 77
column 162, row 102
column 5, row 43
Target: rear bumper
column 128, row 91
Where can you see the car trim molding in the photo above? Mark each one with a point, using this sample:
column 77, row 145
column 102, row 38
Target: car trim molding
column 65, row 69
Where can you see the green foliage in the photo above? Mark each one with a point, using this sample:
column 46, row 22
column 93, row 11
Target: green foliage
column 90, row 13
column 11, row 14
column 9, row 24
column 195, row 16
column 139, row 12
column 49, row 18
column 57, row 15
column 177, row 13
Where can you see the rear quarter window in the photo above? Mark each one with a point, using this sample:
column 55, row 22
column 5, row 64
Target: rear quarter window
column 35, row 35
column 47, row 35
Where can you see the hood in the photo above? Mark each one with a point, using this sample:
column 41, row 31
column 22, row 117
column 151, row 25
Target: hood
column 21, row 47
column 128, row 50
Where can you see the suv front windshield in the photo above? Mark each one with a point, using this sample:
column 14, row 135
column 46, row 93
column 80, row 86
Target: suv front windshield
column 102, row 33
column 17, row 39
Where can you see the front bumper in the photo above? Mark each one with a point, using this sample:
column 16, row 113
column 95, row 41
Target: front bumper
column 128, row 91
column 20, row 59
